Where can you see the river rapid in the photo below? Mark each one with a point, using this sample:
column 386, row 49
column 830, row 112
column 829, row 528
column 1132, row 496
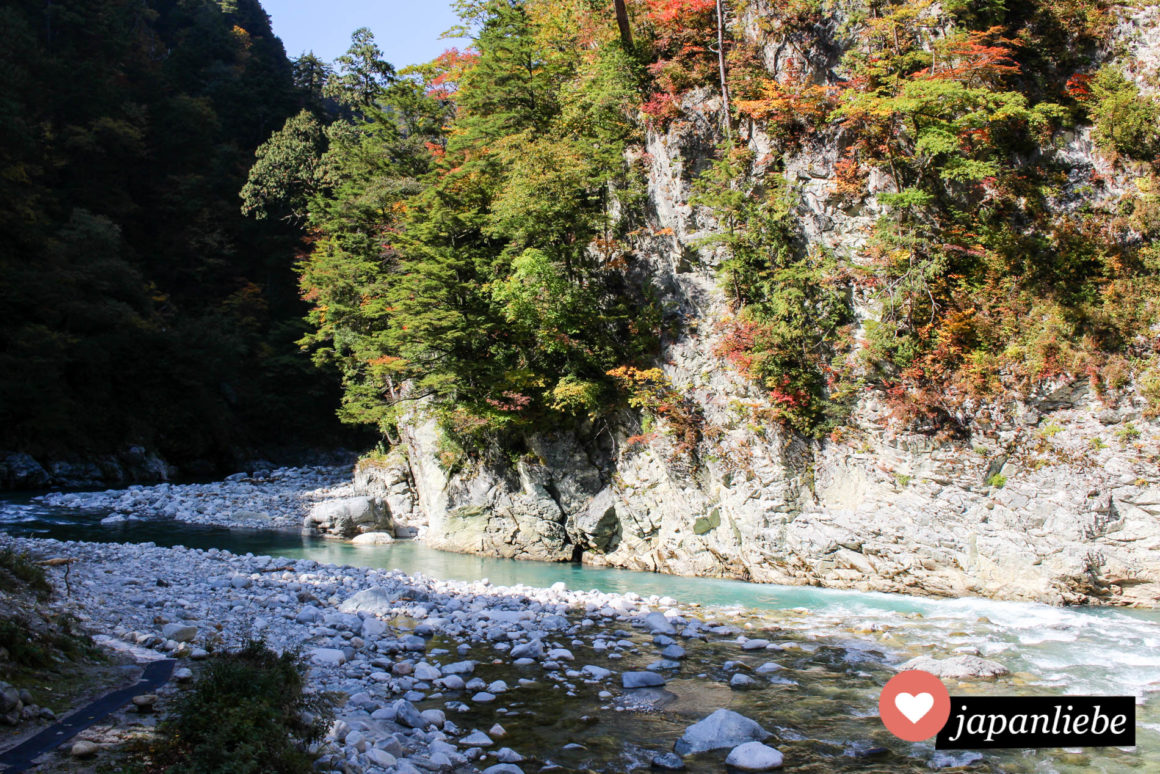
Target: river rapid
column 836, row 650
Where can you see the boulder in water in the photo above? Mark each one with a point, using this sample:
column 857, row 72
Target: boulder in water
column 724, row 728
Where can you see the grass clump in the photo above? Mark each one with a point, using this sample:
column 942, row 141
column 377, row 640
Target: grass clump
column 248, row 713
column 18, row 571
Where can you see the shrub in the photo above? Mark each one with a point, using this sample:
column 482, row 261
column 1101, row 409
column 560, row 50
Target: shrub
column 247, row 714
column 41, row 646
column 1126, row 121
column 19, row 570
column 997, row 480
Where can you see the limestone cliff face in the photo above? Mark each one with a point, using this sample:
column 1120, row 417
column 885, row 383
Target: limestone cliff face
column 1075, row 516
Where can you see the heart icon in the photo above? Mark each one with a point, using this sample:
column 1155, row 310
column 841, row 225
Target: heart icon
column 914, row 707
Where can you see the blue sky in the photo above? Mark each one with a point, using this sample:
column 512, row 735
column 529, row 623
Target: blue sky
column 407, row 31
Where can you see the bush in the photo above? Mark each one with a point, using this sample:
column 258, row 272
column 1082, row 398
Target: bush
column 19, row 570
column 43, row 645
column 1125, row 120
column 247, row 714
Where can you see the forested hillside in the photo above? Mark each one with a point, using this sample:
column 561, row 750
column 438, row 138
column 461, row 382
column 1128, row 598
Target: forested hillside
column 139, row 306
column 477, row 224
column 825, row 291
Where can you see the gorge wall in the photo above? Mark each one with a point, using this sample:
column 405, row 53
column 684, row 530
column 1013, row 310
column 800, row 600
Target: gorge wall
column 1054, row 496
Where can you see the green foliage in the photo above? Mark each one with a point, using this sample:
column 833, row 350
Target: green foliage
column 248, row 713
column 287, row 171
column 997, row 480
column 42, row 646
column 361, row 73
column 791, row 303
column 18, row 571
column 1128, row 432
column 1126, row 122
column 474, row 263
column 983, row 286
column 138, row 306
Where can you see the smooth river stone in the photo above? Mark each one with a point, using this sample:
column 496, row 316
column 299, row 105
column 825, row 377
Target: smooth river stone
column 641, row 679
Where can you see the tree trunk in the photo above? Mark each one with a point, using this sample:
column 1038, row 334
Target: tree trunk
column 721, row 65
column 622, row 22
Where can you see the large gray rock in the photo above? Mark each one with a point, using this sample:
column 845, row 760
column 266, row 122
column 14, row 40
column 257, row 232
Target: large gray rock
column 597, row 527
column 21, row 471
column 331, row 657
column 375, row 600
column 348, row 516
column 724, row 728
column 657, row 623
column 179, row 632
column 373, row 539
column 641, row 679
column 958, row 667
column 406, row 714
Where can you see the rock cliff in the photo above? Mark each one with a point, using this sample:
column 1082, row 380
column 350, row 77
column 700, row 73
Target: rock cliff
column 1054, row 497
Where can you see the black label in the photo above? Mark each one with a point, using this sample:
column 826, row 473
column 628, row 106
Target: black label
column 992, row 722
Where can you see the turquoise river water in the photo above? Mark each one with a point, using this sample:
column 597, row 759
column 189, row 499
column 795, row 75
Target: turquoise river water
column 1049, row 650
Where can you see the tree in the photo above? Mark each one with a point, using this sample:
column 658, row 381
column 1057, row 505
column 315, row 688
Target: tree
column 311, row 75
column 362, row 73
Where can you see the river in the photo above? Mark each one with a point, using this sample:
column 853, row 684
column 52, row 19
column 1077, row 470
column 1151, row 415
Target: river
column 1050, row 650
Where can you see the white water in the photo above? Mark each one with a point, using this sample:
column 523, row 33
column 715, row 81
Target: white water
column 1051, row 650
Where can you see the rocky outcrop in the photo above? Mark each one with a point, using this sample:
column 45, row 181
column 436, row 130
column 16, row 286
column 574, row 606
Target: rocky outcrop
column 1055, row 497
column 136, row 464
column 348, row 516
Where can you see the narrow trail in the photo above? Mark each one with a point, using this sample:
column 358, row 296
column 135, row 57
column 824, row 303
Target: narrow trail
column 21, row 757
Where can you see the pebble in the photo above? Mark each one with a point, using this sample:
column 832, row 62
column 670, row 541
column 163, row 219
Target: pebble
column 668, row 762
column 83, row 749
column 477, row 739
column 145, row 702
column 754, row 756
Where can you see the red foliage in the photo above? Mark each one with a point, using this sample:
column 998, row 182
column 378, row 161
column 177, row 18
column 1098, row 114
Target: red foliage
column 661, row 107
column 514, row 401
column 639, row 440
column 450, row 67
column 736, row 345
column 1079, row 86
column 979, row 59
column 684, row 31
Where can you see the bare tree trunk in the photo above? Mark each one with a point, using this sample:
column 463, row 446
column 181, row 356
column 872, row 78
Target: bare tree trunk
column 622, row 22
column 721, row 65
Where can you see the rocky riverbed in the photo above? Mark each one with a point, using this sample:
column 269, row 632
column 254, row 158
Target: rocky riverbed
column 440, row 676
column 265, row 499
column 437, row 675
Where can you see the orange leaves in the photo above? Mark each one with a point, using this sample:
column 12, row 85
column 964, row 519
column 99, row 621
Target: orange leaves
column 684, row 31
column 449, row 68
column 1079, row 86
column 673, row 15
column 791, row 108
column 737, row 344
column 978, row 58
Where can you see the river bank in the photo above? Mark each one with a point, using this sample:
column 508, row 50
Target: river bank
column 806, row 664
column 427, row 668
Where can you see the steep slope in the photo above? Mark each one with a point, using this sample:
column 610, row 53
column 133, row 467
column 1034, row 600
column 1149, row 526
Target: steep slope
column 917, row 481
